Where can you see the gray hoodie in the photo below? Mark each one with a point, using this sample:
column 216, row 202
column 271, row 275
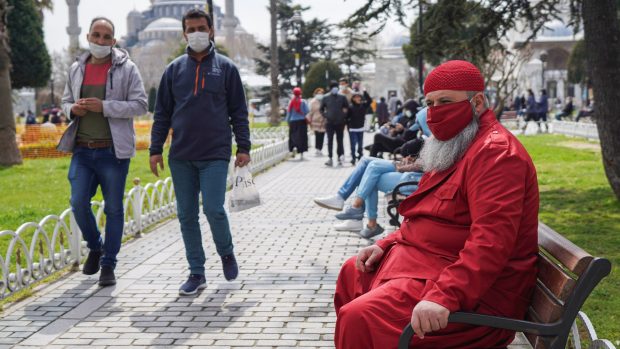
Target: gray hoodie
column 124, row 99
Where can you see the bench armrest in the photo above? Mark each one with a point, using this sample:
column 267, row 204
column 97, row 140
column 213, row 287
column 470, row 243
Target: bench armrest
column 490, row 321
column 396, row 190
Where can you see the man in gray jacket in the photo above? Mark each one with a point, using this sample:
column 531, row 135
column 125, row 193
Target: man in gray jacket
column 104, row 92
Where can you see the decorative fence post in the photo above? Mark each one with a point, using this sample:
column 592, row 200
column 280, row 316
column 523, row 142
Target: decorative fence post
column 136, row 201
column 76, row 241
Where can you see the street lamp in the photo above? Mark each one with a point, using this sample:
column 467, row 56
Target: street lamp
column 543, row 59
column 328, row 56
column 297, row 23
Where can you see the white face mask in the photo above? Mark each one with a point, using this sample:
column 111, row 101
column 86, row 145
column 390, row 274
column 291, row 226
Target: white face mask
column 198, row 41
column 99, row 51
column 408, row 113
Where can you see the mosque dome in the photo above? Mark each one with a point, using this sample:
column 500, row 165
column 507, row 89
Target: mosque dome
column 163, row 25
column 179, row 2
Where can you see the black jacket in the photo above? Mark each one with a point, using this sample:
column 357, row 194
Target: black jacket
column 356, row 115
column 334, row 108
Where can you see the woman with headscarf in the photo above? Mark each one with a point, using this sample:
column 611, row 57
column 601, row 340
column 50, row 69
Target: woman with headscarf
column 298, row 128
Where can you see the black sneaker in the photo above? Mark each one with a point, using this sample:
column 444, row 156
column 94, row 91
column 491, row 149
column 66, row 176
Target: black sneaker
column 91, row 266
column 194, row 283
column 107, row 278
column 229, row 265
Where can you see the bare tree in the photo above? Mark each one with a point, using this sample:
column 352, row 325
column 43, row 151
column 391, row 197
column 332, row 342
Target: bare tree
column 503, row 67
column 9, row 153
column 274, row 119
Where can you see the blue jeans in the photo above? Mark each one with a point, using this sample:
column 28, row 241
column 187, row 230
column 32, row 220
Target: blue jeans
column 89, row 169
column 370, row 187
column 191, row 178
column 357, row 140
column 355, row 177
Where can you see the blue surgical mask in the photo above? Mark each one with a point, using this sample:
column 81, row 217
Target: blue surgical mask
column 334, row 90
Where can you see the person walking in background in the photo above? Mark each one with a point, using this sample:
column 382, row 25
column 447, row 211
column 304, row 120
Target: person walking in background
column 531, row 110
column 344, row 89
column 543, row 109
column 355, row 124
column 393, row 104
column 334, row 108
column 104, row 92
column 317, row 121
column 200, row 97
column 297, row 126
column 383, row 115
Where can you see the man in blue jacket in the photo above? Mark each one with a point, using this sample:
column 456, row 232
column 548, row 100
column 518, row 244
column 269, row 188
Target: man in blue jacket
column 200, row 97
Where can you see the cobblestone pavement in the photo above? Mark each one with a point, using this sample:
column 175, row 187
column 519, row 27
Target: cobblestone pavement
column 289, row 258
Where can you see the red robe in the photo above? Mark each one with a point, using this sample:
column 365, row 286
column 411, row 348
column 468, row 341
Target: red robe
column 468, row 242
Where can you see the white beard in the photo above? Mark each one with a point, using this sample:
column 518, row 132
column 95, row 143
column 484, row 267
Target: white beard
column 439, row 155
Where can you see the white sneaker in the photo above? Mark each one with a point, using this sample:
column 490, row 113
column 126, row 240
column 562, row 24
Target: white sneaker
column 341, row 159
column 318, row 153
column 350, row 225
column 331, row 202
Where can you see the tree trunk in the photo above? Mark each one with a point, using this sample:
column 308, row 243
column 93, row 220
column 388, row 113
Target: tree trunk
column 9, row 152
column 274, row 119
column 602, row 37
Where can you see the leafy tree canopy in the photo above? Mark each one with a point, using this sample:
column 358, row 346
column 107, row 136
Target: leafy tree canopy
column 319, row 75
column 311, row 42
column 31, row 62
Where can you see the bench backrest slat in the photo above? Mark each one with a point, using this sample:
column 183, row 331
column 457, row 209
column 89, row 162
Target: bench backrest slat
column 571, row 256
column 545, row 306
column 557, row 281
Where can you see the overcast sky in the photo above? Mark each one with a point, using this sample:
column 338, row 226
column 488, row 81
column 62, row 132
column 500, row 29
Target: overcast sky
column 253, row 15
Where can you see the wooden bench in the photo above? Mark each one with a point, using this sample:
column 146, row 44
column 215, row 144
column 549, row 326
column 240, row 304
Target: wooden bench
column 566, row 277
column 509, row 115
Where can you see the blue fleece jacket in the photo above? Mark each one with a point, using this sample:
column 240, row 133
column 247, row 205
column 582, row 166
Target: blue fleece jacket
column 200, row 101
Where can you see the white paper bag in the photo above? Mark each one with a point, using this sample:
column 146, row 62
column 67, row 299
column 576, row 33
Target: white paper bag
column 244, row 194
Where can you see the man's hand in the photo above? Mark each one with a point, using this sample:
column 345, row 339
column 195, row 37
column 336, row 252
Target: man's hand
column 428, row 317
column 78, row 110
column 242, row 159
column 368, row 257
column 91, row 104
column 154, row 161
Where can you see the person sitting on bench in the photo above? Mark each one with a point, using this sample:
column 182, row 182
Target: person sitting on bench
column 375, row 176
column 468, row 241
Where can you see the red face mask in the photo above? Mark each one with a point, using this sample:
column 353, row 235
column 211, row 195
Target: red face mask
column 446, row 121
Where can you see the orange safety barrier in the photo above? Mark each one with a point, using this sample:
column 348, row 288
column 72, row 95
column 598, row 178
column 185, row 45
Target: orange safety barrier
column 39, row 141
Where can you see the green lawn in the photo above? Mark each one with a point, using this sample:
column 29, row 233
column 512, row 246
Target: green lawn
column 40, row 187
column 576, row 201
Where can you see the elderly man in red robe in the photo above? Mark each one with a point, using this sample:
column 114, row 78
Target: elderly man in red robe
column 468, row 241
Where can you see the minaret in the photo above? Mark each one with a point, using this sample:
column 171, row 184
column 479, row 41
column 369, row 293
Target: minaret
column 230, row 23
column 73, row 29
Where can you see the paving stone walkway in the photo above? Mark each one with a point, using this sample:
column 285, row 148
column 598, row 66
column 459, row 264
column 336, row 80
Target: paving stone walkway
column 289, row 258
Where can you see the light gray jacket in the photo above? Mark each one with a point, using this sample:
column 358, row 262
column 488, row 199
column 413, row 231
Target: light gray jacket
column 124, row 99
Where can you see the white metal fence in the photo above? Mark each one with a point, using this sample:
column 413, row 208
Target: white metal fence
column 56, row 241
column 577, row 129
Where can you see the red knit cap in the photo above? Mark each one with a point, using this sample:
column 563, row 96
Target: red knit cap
column 454, row 75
